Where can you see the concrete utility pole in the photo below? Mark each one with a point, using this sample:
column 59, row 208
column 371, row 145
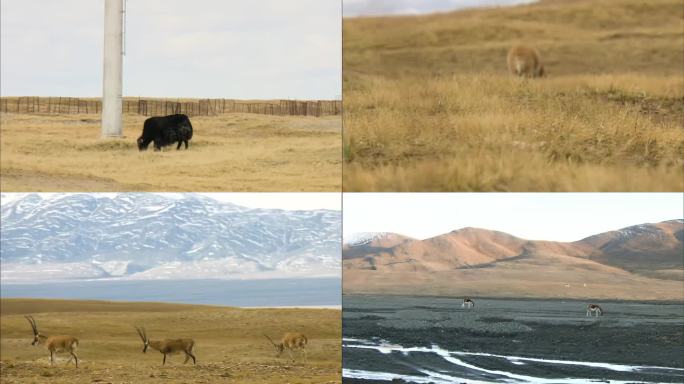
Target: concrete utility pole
column 112, row 74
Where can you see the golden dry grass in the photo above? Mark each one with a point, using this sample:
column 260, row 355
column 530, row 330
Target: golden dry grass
column 429, row 105
column 230, row 346
column 231, row 153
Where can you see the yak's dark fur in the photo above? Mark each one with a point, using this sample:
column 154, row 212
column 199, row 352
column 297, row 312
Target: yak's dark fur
column 165, row 130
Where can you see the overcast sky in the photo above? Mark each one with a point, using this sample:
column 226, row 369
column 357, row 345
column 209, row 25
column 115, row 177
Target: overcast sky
column 412, row 7
column 533, row 216
column 285, row 200
column 257, row 49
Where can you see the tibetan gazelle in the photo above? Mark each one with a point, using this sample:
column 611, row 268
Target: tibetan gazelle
column 290, row 342
column 55, row 344
column 168, row 346
column 594, row 309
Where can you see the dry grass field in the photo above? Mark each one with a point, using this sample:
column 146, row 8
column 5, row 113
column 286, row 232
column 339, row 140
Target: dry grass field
column 518, row 280
column 429, row 103
column 230, row 346
column 229, row 152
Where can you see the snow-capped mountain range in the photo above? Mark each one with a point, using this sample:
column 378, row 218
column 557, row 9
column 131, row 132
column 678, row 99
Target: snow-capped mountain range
column 152, row 236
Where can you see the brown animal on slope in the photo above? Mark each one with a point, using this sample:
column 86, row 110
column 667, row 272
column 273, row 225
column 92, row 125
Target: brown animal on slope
column 168, row 346
column 55, row 344
column 290, row 342
column 524, row 61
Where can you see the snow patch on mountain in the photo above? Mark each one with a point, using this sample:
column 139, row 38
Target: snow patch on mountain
column 144, row 235
column 363, row 238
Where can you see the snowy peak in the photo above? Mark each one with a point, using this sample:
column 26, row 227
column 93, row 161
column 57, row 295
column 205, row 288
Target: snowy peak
column 362, row 238
column 375, row 239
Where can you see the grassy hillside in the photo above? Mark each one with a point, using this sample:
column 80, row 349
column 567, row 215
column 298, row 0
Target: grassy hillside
column 230, row 346
column 232, row 152
column 429, row 103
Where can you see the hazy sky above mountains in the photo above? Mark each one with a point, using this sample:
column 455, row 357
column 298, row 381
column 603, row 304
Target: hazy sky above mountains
column 411, row 7
column 533, row 216
column 259, row 49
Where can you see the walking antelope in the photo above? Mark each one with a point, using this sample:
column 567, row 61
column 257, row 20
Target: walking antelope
column 291, row 341
column 168, row 346
column 54, row 344
column 468, row 303
column 594, row 309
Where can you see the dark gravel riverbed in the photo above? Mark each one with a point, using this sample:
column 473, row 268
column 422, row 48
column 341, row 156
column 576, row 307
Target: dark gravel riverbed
column 435, row 340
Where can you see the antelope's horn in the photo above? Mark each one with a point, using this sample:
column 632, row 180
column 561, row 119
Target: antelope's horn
column 141, row 333
column 271, row 340
column 33, row 324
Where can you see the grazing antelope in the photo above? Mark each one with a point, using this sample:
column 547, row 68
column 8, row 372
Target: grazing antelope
column 54, row 344
column 594, row 309
column 525, row 62
column 168, row 346
column 468, row 303
column 291, row 341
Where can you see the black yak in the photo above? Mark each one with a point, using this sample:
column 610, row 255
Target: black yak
column 165, row 130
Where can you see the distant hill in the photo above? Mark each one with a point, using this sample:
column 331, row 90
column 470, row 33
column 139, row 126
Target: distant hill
column 649, row 249
column 645, row 261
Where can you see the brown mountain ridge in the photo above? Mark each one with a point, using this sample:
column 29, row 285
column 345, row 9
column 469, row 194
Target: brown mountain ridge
column 639, row 262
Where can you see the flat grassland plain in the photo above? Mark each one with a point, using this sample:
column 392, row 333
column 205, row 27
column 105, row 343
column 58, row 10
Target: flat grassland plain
column 236, row 152
column 230, row 346
column 429, row 103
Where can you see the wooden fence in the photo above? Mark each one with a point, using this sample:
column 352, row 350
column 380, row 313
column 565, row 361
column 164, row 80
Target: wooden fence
column 159, row 107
